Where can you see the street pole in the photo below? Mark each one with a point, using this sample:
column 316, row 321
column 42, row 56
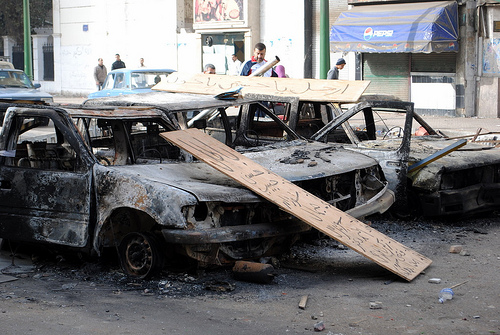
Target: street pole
column 28, row 68
column 324, row 39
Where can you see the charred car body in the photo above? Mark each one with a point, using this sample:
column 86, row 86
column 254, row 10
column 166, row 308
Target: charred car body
column 252, row 127
column 97, row 178
column 464, row 181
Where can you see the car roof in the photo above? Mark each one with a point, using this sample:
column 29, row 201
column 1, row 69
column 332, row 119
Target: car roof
column 11, row 70
column 114, row 113
column 98, row 112
column 173, row 102
column 6, row 65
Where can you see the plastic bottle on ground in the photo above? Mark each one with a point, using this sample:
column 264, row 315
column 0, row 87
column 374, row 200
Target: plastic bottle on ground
column 445, row 294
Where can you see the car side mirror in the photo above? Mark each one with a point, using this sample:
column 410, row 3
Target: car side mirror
column 37, row 85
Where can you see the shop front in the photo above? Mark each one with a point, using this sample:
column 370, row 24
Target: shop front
column 226, row 28
column 408, row 50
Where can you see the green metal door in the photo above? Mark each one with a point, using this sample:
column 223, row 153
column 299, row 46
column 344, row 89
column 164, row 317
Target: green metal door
column 388, row 73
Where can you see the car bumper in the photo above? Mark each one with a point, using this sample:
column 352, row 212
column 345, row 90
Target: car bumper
column 378, row 204
column 234, row 233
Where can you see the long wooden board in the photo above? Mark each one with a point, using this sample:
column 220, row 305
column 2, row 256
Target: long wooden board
column 342, row 91
column 344, row 228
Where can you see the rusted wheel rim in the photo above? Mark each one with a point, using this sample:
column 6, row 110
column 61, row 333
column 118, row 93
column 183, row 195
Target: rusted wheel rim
column 139, row 255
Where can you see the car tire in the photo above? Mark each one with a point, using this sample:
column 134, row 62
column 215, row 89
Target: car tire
column 140, row 255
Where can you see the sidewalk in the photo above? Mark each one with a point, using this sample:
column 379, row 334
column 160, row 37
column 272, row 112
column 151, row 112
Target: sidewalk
column 457, row 126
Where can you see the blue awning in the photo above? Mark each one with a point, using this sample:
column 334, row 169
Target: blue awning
column 408, row 27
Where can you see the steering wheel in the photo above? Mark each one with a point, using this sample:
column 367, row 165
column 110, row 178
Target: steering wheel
column 400, row 133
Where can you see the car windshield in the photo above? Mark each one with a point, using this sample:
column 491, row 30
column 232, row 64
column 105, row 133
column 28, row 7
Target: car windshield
column 147, row 79
column 137, row 80
column 14, row 79
column 118, row 142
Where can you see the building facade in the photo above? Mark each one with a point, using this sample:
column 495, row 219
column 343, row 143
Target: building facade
column 187, row 34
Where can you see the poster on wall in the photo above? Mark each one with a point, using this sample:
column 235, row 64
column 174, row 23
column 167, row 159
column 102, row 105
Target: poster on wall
column 491, row 56
column 213, row 11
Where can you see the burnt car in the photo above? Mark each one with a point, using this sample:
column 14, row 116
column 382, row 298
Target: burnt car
column 94, row 179
column 102, row 178
column 463, row 181
column 252, row 127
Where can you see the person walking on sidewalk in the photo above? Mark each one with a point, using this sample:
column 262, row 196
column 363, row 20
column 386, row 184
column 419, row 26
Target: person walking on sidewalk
column 100, row 73
column 334, row 72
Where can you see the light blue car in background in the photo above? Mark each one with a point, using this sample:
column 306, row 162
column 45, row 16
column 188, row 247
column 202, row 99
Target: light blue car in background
column 130, row 81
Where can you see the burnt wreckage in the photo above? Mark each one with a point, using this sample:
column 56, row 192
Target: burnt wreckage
column 461, row 182
column 91, row 178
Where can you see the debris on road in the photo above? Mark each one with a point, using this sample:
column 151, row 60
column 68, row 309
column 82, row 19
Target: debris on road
column 375, row 305
column 303, row 302
column 320, row 326
column 253, row 272
column 455, row 249
column 5, row 278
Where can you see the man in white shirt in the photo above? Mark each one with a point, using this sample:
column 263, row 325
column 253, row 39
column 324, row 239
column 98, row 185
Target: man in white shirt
column 234, row 66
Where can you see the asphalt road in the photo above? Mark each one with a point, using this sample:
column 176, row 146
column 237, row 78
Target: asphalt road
column 346, row 293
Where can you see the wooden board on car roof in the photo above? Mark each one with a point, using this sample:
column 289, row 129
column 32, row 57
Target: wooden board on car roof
column 321, row 90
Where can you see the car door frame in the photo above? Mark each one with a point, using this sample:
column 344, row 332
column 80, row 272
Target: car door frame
column 54, row 206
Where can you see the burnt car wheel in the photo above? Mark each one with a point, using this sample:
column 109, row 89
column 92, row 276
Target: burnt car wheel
column 140, row 255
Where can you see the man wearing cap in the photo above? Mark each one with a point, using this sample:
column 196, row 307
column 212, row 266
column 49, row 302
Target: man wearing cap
column 334, row 72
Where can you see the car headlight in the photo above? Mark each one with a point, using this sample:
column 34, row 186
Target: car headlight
column 47, row 99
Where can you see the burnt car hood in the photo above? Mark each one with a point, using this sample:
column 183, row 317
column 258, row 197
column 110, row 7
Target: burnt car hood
column 303, row 160
column 469, row 156
column 197, row 178
column 208, row 184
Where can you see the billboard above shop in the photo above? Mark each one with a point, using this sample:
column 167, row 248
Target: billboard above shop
column 219, row 13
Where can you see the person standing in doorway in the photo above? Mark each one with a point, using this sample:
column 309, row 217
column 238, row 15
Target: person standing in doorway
column 118, row 64
column 334, row 72
column 234, row 66
column 257, row 60
column 100, row 73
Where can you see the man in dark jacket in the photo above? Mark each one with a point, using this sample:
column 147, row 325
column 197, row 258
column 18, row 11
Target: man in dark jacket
column 118, row 64
column 334, row 72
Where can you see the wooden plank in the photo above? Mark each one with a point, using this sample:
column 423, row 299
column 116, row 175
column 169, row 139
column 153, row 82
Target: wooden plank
column 349, row 231
column 342, row 91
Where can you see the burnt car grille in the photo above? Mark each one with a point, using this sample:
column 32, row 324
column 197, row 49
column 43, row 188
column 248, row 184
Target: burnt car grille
column 339, row 191
column 451, row 180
